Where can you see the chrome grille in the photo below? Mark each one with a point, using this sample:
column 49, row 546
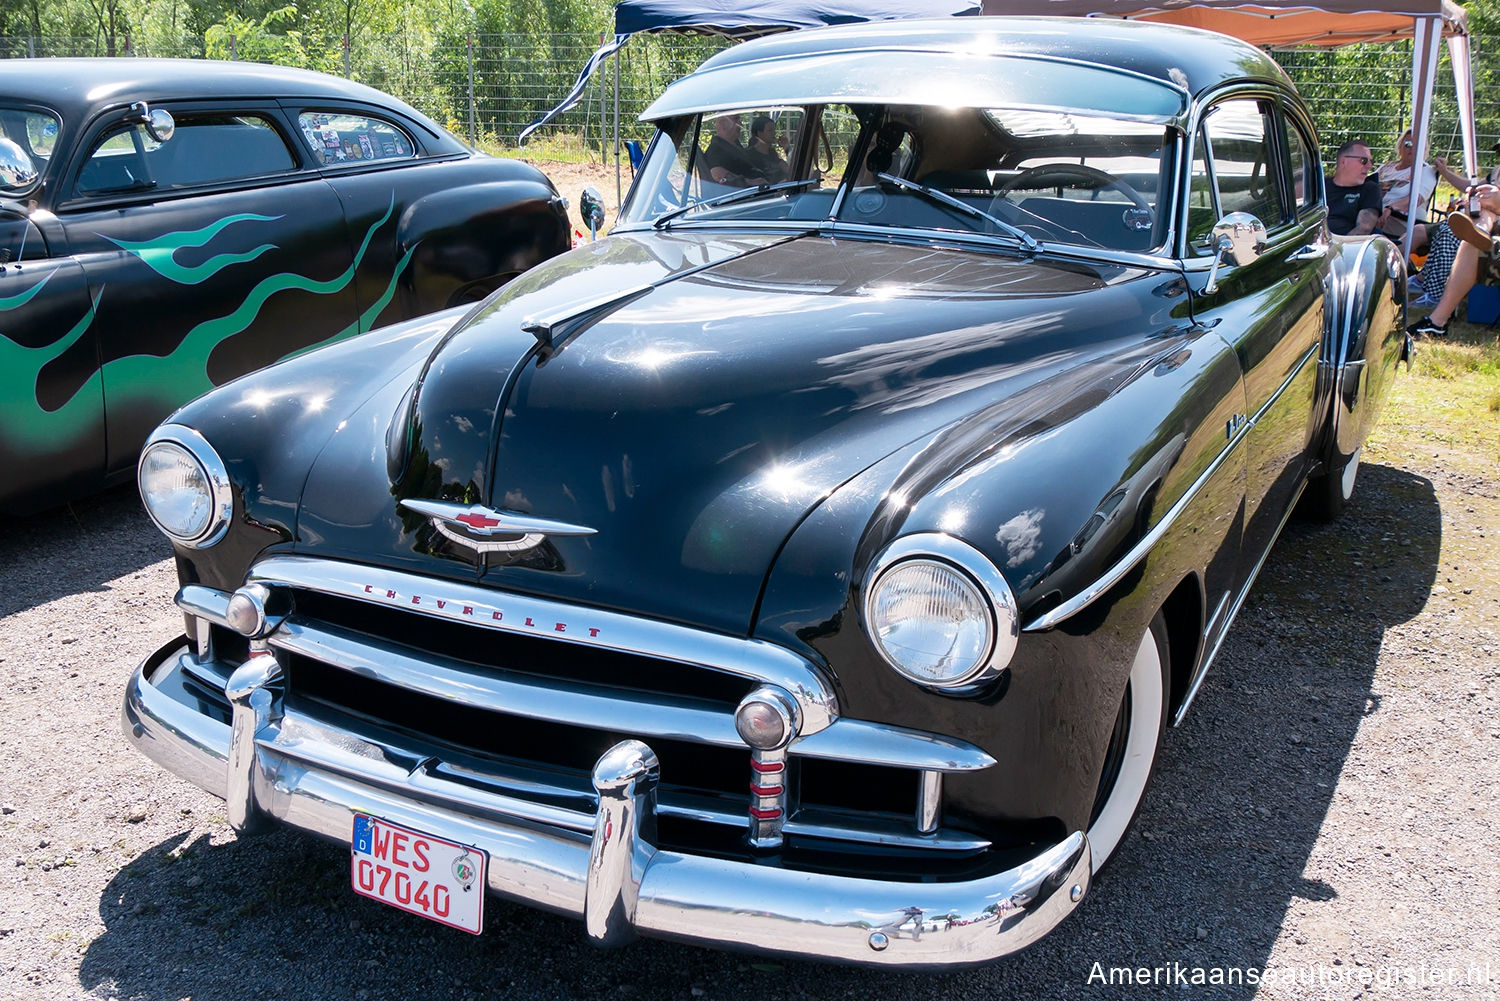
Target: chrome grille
column 515, row 697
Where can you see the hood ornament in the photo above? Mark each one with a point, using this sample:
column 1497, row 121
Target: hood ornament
column 485, row 530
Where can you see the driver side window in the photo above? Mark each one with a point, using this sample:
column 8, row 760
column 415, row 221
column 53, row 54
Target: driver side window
column 1239, row 135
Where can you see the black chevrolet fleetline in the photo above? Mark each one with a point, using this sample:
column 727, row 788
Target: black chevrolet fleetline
column 813, row 565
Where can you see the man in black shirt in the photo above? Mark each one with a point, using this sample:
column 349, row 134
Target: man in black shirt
column 1353, row 196
column 726, row 159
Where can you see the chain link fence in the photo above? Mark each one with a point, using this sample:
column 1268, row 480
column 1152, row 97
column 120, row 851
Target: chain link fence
column 488, row 87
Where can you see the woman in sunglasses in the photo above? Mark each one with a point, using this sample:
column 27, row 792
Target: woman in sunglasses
column 1396, row 181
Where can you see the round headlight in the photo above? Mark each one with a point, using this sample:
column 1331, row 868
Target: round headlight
column 939, row 613
column 184, row 486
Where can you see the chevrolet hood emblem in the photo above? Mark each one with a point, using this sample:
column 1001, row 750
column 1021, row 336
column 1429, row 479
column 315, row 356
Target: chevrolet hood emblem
column 485, row 530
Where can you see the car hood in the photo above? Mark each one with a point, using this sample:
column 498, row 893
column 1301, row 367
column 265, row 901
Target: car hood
column 704, row 395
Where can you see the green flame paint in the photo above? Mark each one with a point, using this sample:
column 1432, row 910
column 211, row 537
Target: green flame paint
column 148, row 379
column 160, row 254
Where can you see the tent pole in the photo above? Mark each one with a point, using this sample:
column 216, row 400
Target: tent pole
column 1424, row 60
column 618, row 197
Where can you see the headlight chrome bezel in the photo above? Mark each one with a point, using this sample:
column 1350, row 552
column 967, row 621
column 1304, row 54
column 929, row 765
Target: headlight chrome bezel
column 996, row 595
column 215, row 475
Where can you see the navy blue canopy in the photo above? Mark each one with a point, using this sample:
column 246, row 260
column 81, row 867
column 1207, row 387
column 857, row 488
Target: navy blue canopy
column 742, row 19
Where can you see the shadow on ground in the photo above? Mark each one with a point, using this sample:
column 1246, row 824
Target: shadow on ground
column 1207, row 880
column 77, row 548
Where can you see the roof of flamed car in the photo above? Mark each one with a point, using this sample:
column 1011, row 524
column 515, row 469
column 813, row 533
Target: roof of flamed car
column 1187, row 58
column 73, row 86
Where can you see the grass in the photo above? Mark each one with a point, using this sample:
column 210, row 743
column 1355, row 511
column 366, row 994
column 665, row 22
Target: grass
column 1449, row 402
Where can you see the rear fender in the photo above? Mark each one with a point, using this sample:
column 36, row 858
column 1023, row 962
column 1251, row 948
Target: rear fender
column 1364, row 341
column 461, row 252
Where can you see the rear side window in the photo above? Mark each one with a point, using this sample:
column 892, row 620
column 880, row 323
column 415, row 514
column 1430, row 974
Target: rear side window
column 337, row 137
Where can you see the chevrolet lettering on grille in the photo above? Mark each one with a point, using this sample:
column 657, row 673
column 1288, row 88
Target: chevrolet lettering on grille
column 460, row 610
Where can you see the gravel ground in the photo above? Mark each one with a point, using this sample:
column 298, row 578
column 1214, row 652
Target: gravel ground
column 1327, row 811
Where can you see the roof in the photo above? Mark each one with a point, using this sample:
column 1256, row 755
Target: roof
column 749, row 18
column 1127, row 68
column 80, row 86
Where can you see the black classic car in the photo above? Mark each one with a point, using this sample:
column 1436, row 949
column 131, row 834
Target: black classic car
column 166, row 225
column 813, row 565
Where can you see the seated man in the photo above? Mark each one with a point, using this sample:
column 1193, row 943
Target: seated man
column 1353, row 196
column 1465, row 274
column 726, row 159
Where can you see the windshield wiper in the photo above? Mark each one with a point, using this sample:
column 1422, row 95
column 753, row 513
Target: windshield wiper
column 943, row 198
column 738, row 195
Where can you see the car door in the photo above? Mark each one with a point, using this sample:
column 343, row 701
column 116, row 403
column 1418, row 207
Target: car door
column 52, row 434
column 209, row 253
column 373, row 163
column 1271, row 308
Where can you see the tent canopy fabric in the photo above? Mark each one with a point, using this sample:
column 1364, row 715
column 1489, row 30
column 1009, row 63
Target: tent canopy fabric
column 1267, row 24
column 739, row 19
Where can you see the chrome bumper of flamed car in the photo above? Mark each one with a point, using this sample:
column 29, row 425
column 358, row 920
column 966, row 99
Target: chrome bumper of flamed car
column 601, row 868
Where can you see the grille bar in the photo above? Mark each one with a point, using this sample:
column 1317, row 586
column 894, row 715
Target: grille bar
column 701, row 722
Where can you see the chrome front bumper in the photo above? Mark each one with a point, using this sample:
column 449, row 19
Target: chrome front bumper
column 602, row 868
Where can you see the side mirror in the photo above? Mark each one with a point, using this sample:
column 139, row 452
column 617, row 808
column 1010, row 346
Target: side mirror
column 16, row 169
column 591, row 208
column 160, row 125
column 1239, row 238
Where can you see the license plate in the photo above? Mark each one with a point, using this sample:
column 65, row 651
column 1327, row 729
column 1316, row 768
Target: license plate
column 418, row 872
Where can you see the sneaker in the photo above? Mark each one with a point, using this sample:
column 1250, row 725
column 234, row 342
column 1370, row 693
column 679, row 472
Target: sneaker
column 1414, row 286
column 1426, row 328
column 1424, row 301
column 1470, row 232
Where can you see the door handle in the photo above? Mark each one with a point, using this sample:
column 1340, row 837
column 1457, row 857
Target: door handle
column 1311, row 252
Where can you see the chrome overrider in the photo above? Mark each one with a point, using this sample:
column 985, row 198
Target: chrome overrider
column 273, row 762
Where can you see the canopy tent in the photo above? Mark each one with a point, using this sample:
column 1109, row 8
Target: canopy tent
column 741, row 19
column 1273, row 24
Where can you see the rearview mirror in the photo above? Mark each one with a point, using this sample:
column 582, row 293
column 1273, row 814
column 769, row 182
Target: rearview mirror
column 1239, row 239
column 591, row 208
column 160, row 125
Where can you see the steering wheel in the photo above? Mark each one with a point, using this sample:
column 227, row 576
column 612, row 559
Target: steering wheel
column 1052, row 175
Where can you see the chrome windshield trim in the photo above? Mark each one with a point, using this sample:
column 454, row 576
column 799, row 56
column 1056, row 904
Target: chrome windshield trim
column 457, row 601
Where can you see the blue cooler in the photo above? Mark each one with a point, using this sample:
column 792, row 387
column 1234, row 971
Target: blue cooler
column 1484, row 304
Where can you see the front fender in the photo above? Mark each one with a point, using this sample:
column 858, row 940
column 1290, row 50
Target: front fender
column 271, row 426
column 468, row 241
column 1363, row 343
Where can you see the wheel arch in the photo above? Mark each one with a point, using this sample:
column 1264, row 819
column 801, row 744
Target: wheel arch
column 1183, row 611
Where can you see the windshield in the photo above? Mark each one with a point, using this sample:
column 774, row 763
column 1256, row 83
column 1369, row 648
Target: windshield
column 1017, row 175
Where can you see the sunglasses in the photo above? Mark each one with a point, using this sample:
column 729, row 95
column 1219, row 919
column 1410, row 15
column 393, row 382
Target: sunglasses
column 1406, row 144
column 1362, row 159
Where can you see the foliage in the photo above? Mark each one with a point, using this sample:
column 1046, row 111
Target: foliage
column 526, row 54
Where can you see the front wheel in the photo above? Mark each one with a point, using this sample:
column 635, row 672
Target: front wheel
column 1131, row 755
